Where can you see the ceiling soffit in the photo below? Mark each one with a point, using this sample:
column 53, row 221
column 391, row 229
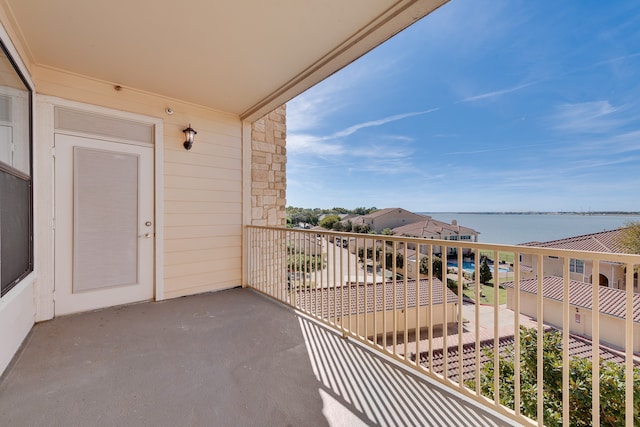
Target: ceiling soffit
column 245, row 58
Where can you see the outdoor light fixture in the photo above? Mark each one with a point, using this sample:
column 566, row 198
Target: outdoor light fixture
column 189, row 133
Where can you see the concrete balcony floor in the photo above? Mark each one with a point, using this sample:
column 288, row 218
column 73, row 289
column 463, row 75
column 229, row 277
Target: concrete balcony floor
column 231, row 358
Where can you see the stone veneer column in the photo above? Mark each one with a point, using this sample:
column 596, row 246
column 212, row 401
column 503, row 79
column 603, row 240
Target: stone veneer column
column 268, row 169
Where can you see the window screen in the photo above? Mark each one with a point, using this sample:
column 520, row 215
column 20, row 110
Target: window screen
column 15, row 229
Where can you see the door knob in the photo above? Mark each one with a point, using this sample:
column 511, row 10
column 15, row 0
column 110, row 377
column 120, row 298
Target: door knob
column 148, row 223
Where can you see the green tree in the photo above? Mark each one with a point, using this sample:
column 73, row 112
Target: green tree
column 389, row 260
column 629, row 237
column 387, row 232
column 338, row 226
column 437, row 266
column 329, row 221
column 485, row 272
column 302, row 262
column 612, row 384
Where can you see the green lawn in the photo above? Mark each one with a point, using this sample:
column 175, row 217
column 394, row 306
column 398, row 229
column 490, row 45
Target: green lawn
column 488, row 293
column 503, row 256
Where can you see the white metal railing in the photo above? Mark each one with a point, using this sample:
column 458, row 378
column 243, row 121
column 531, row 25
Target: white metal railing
column 390, row 293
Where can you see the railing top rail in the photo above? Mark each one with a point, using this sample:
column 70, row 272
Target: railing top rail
column 520, row 249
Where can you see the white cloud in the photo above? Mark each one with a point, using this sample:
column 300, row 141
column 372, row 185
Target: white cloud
column 587, row 117
column 312, row 145
column 495, row 93
column 320, row 145
column 353, row 129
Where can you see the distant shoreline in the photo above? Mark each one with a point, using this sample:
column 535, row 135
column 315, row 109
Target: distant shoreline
column 593, row 213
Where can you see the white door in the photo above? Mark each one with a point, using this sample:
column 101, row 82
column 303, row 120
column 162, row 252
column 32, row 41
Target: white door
column 104, row 230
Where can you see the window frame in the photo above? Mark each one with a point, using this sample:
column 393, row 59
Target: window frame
column 28, row 178
column 575, row 265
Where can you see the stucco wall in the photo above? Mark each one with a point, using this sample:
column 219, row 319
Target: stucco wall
column 384, row 321
column 553, row 266
column 612, row 329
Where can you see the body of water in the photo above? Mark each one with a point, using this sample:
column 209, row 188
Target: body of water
column 470, row 267
column 511, row 229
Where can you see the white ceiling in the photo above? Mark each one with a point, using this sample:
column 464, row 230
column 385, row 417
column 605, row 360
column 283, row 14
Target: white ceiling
column 245, row 57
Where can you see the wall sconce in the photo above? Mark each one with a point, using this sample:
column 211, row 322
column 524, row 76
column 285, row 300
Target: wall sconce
column 189, row 133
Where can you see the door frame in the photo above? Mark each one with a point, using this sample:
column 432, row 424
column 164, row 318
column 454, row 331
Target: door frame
column 44, row 204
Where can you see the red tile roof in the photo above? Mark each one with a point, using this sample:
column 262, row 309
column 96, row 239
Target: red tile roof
column 336, row 299
column 578, row 347
column 611, row 301
column 604, row 241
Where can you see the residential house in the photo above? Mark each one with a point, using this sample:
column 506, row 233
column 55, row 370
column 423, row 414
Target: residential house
column 429, row 228
column 612, row 274
column 612, row 306
column 387, row 218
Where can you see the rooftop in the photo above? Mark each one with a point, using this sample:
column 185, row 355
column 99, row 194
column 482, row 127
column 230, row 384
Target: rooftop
column 604, row 241
column 353, row 297
column 432, row 227
column 611, row 301
column 578, row 347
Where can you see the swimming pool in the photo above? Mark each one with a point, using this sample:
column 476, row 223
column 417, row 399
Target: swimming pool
column 470, row 267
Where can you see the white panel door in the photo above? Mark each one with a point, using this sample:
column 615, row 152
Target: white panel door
column 104, row 231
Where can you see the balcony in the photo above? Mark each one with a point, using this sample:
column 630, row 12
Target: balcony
column 336, row 333
column 405, row 298
column 231, row 358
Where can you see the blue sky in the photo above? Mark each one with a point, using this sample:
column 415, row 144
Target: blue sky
column 499, row 105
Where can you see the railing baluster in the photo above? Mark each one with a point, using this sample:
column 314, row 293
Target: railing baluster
column 539, row 348
column 595, row 366
column 418, row 307
column 460, row 319
column 384, row 296
column 565, row 342
column 628, row 370
column 430, row 306
column 445, row 325
column 406, row 304
column 365, row 307
column 395, row 296
column 496, row 328
column 357, row 249
column 374, row 286
column 476, row 273
column 516, row 332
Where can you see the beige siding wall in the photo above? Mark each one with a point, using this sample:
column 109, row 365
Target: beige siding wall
column 268, row 169
column 202, row 187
